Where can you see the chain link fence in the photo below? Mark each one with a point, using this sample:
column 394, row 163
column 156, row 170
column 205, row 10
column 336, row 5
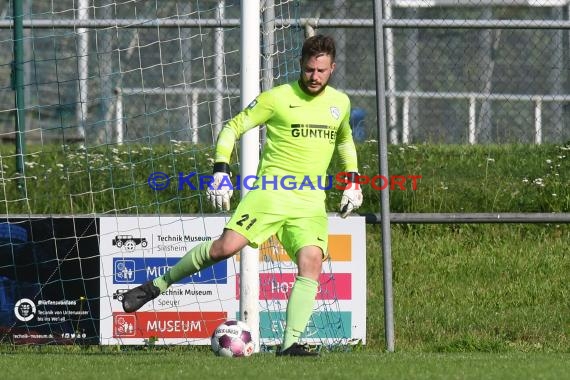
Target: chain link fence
column 179, row 78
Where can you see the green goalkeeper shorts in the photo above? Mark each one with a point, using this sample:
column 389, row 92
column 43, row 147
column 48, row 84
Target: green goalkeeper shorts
column 294, row 233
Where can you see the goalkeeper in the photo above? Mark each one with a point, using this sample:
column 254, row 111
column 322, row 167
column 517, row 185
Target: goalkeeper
column 305, row 120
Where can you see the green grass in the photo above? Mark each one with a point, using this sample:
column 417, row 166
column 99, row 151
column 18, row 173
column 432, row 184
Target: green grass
column 462, row 178
column 470, row 301
column 462, row 288
column 480, row 178
column 363, row 365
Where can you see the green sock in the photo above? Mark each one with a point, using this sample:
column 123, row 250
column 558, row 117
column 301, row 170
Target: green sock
column 193, row 261
column 299, row 309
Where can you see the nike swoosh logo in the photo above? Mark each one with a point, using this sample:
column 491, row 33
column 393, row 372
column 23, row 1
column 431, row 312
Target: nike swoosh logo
column 293, row 106
column 319, row 239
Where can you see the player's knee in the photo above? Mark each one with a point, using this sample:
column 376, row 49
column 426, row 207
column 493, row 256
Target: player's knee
column 310, row 262
column 223, row 249
column 220, row 250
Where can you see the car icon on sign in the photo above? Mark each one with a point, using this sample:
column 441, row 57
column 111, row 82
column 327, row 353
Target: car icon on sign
column 129, row 242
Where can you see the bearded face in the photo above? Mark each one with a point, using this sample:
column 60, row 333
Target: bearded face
column 315, row 73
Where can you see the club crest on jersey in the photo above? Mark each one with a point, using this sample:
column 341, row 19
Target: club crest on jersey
column 335, row 112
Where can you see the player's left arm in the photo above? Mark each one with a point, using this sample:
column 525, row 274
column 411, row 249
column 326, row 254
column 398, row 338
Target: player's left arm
column 346, row 149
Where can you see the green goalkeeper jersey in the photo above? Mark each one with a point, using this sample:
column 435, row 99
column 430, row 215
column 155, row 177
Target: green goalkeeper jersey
column 302, row 134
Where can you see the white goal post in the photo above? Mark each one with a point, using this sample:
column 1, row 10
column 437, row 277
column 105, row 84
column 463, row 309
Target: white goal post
column 250, row 79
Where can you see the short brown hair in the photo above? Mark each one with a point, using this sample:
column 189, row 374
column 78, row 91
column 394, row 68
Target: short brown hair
column 318, row 45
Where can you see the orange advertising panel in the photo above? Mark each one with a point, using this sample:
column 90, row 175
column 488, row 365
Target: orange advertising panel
column 340, row 249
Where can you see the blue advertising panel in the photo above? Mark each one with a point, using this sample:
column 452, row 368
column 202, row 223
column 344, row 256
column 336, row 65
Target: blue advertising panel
column 138, row 270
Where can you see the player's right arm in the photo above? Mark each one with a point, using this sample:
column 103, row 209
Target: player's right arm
column 256, row 113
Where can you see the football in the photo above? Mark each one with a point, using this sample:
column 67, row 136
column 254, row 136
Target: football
column 233, row 339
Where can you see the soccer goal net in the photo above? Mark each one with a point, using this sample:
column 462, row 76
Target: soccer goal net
column 109, row 113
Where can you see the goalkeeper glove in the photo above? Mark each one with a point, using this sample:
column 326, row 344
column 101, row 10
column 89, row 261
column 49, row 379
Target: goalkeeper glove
column 352, row 196
column 219, row 196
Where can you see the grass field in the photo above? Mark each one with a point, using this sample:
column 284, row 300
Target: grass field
column 78, row 180
column 362, row 365
column 486, row 288
column 470, row 301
